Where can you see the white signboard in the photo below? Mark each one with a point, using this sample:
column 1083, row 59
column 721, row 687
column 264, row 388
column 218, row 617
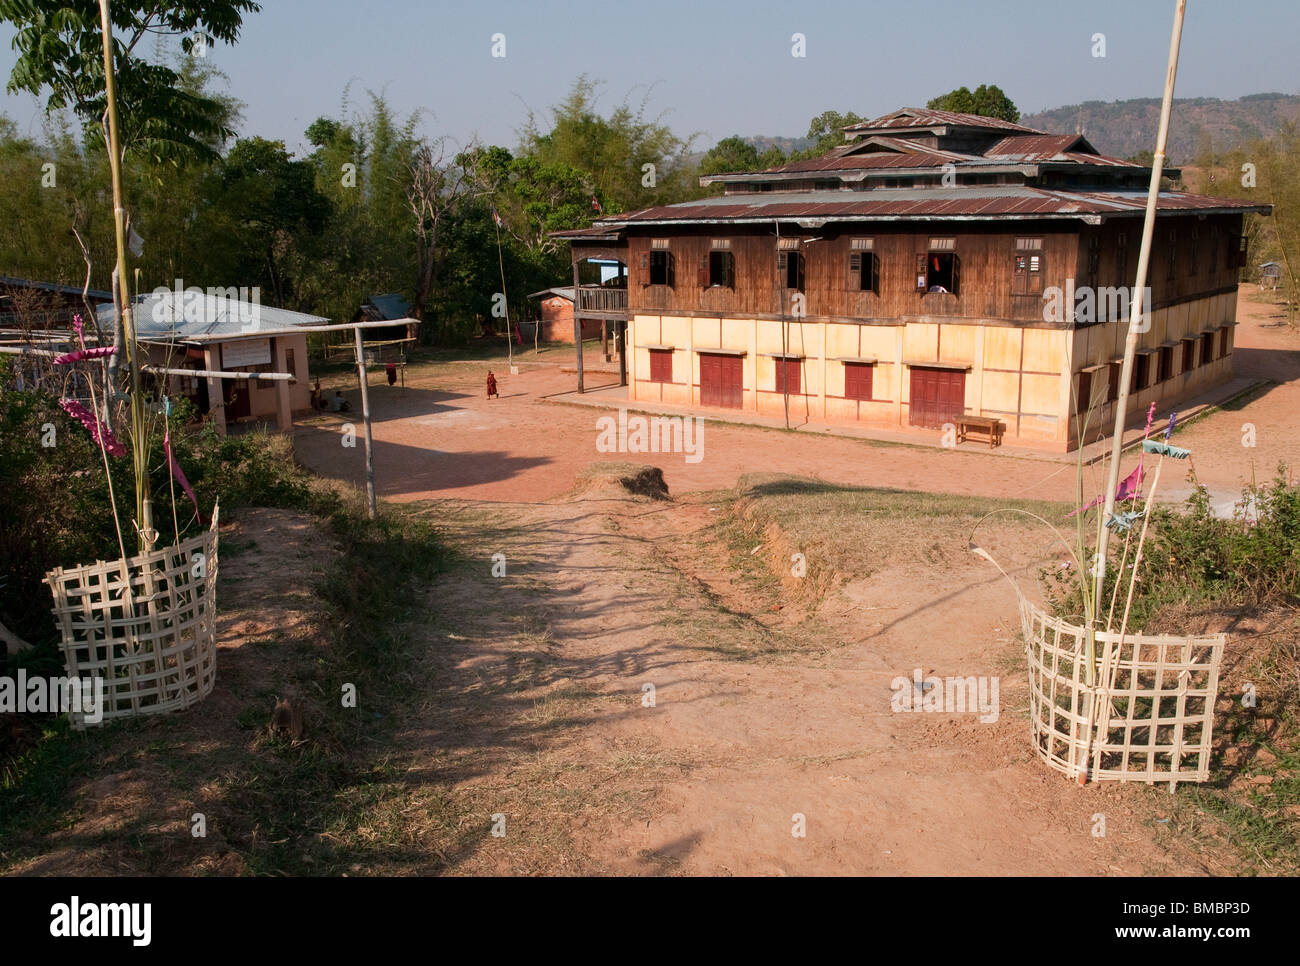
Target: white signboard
column 246, row 352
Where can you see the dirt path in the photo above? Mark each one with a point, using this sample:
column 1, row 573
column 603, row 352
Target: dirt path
column 759, row 715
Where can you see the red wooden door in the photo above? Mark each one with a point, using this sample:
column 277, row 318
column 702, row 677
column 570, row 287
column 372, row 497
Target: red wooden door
column 938, row 396
column 721, row 381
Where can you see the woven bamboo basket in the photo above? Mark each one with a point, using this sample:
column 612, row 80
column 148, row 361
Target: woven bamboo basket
column 146, row 626
column 1149, row 717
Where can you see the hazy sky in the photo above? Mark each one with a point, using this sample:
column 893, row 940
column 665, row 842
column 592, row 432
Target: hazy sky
column 720, row 67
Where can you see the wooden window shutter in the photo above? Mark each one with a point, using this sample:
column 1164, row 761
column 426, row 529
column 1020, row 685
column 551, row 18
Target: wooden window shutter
column 672, row 272
column 920, row 272
column 729, row 260
column 643, row 268
column 873, row 273
column 800, row 269
column 1020, row 271
column 702, row 275
column 854, row 281
column 1038, row 268
column 781, row 265
column 956, row 274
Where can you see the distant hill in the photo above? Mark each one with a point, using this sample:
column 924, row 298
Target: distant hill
column 1123, row 128
column 762, row 142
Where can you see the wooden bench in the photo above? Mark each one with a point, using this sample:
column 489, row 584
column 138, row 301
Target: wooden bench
column 988, row 425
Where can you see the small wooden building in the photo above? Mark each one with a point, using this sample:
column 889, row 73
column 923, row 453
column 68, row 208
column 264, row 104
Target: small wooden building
column 27, row 305
column 933, row 266
column 557, row 316
column 217, row 333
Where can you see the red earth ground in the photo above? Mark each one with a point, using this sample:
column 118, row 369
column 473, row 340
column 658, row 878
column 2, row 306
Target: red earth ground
column 735, row 750
column 440, row 437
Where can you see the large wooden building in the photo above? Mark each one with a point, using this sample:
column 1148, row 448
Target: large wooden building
column 935, row 265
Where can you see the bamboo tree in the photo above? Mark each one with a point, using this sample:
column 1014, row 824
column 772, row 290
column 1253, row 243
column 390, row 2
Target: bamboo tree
column 1137, row 304
column 122, row 296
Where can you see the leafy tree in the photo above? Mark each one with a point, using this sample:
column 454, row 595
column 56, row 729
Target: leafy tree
column 613, row 151
column 730, row 154
column 60, row 47
column 827, row 131
column 987, row 100
column 1273, row 177
column 261, row 208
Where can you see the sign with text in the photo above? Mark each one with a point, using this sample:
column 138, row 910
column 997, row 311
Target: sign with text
column 246, row 352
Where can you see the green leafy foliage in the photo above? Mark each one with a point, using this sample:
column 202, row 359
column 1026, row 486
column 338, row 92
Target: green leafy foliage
column 60, row 49
column 987, row 100
column 1195, row 557
column 55, row 499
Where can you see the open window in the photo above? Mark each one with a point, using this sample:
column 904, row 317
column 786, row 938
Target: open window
column 790, row 266
column 657, row 268
column 864, row 273
column 718, row 270
column 938, row 272
column 863, row 268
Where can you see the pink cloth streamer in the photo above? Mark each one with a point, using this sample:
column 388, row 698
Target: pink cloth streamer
column 179, row 474
column 97, row 353
column 102, row 435
column 1129, row 487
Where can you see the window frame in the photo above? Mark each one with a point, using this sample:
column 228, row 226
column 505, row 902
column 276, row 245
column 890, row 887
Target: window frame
column 647, row 268
column 923, row 270
column 657, row 359
column 860, row 370
column 785, row 268
column 782, row 375
column 726, row 273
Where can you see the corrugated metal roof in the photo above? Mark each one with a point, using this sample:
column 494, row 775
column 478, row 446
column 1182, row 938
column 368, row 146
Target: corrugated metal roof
column 390, row 306
column 564, row 292
column 913, row 117
column 164, row 317
column 94, row 294
column 928, row 203
column 1035, row 147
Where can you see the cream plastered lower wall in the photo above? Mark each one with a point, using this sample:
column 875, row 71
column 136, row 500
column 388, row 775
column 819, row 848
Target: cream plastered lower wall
column 1027, row 377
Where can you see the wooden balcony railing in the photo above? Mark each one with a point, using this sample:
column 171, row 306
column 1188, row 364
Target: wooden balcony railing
column 597, row 298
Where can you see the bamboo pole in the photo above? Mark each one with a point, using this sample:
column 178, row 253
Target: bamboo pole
column 1136, row 304
column 365, row 418
column 139, row 431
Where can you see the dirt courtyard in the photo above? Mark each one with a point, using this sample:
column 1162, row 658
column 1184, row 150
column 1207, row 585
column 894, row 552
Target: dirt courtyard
column 439, row 437
column 770, row 745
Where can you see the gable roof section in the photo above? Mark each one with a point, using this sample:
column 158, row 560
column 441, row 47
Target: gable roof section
column 159, row 318
column 915, row 118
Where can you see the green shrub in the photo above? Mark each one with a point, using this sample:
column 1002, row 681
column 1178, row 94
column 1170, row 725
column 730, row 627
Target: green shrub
column 55, row 504
column 1194, row 557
